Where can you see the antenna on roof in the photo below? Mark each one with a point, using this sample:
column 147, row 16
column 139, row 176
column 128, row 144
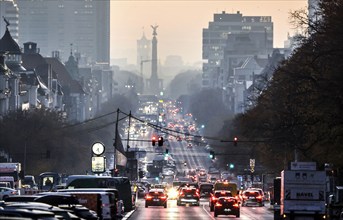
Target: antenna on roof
column 6, row 21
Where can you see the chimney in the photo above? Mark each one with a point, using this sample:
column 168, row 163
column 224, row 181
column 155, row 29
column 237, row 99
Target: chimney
column 30, row 48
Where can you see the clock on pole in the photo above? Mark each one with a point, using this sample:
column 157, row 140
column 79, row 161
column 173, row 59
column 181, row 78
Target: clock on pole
column 98, row 148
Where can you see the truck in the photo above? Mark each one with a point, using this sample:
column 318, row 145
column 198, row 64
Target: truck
column 303, row 189
column 12, row 172
column 335, row 206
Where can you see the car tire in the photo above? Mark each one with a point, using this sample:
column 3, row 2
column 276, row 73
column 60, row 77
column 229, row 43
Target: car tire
column 237, row 215
column 165, row 205
column 5, row 197
column 146, row 206
column 215, row 214
column 211, row 208
column 178, row 203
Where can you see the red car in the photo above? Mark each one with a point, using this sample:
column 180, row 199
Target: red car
column 215, row 196
column 156, row 197
column 252, row 197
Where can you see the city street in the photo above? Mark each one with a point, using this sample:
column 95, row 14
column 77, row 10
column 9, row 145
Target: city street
column 194, row 212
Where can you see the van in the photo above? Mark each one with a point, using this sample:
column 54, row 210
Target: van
column 103, row 203
column 122, row 184
column 119, row 209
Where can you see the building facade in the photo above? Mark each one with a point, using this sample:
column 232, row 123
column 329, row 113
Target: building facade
column 9, row 11
column 215, row 40
column 54, row 25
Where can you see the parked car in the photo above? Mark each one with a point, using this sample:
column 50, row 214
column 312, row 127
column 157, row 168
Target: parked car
column 6, row 192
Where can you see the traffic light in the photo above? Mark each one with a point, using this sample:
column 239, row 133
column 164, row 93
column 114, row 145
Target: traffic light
column 212, row 155
column 185, row 163
column 160, row 141
column 235, row 140
column 232, row 166
column 141, row 174
column 153, row 141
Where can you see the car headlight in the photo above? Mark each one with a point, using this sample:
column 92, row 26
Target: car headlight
column 172, row 193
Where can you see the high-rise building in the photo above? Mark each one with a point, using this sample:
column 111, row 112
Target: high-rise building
column 54, row 25
column 258, row 30
column 9, row 11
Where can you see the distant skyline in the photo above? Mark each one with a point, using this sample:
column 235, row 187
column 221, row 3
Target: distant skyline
column 181, row 23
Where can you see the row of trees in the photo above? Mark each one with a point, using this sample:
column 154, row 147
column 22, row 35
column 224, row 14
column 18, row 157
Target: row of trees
column 41, row 140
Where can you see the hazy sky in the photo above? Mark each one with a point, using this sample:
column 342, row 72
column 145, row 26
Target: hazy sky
column 181, row 22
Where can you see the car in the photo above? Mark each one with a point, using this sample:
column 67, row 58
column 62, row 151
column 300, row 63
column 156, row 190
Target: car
column 6, row 192
column 189, row 145
column 226, row 206
column 216, row 195
column 261, row 192
column 252, row 197
column 188, row 195
column 156, row 197
column 205, row 190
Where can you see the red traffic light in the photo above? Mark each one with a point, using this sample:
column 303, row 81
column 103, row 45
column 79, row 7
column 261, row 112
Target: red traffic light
column 153, row 141
column 235, row 140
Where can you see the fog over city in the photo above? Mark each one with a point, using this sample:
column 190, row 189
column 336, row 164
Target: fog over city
column 181, row 23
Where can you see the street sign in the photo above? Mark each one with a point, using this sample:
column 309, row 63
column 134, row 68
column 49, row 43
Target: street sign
column 98, row 164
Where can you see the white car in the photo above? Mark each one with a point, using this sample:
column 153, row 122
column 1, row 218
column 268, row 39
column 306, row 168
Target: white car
column 6, row 192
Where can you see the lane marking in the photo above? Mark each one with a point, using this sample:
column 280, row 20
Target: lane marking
column 209, row 214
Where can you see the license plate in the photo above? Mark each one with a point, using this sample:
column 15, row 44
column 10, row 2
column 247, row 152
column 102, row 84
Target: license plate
column 251, row 197
column 227, row 210
column 156, row 200
column 189, row 196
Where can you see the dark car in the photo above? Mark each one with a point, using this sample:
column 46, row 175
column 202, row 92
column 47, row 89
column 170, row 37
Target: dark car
column 215, row 196
column 188, row 195
column 156, row 197
column 227, row 206
column 206, row 190
column 251, row 197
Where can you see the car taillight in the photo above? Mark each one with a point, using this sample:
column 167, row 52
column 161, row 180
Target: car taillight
column 235, row 205
column 259, row 197
column 14, row 193
column 197, row 194
column 218, row 204
column 148, row 197
column 163, row 197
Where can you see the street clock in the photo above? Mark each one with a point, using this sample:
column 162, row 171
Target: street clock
column 98, row 148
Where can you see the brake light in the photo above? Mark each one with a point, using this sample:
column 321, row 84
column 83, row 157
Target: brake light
column 197, row 194
column 222, row 192
column 259, row 197
column 218, row 204
column 235, row 205
column 163, row 197
column 148, row 197
column 14, row 192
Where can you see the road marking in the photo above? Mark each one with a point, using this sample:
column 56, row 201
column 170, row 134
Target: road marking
column 209, row 214
column 128, row 215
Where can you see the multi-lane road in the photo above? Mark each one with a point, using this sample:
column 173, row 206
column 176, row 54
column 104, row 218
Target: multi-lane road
column 195, row 212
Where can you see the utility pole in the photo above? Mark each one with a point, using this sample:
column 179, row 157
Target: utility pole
column 115, row 141
column 128, row 133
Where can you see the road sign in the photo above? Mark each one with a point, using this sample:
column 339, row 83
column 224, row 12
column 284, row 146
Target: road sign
column 98, row 164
